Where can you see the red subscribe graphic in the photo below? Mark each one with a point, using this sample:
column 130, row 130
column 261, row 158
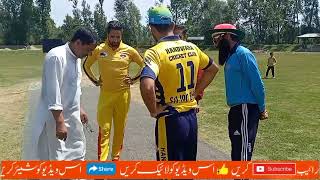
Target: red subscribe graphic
column 274, row 168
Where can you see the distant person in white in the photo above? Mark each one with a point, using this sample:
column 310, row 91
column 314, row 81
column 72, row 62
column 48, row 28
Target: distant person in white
column 56, row 130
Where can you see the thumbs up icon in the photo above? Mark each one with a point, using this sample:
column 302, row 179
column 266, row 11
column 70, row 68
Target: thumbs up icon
column 223, row 170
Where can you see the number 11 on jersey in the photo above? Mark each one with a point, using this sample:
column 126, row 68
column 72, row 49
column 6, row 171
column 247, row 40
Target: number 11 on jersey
column 183, row 87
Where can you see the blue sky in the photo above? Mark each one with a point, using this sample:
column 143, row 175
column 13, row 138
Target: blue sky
column 60, row 8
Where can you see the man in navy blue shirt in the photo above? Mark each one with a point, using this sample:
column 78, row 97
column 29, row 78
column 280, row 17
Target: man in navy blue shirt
column 245, row 91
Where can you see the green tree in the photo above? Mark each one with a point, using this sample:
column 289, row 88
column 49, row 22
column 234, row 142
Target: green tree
column 232, row 12
column 311, row 16
column 180, row 10
column 10, row 20
column 68, row 28
column 291, row 22
column 129, row 15
column 71, row 23
column 195, row 21
column 36, row 28
column 146, row 37
column 44, row 8
column 101, row 4
column 1, row 23
column 214, row 12
column 253, row 12
column 209, row 13
column 87, row 16
column 76, row 12
column 25, row 21
column 297, row 10
column 16, row 21
column 100, row 22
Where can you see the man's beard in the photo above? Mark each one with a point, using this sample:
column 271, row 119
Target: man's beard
column 224, row 51
column 114, row 44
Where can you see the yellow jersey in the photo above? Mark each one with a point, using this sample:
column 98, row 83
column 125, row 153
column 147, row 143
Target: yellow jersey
column 113, row 65
column 272, row 61
column 174, row 65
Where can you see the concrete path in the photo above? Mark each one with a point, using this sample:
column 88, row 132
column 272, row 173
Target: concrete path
column 139, row 135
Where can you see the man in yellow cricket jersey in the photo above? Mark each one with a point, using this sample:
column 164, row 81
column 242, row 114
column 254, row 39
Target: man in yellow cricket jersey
column 272, row 61
column 113, row 59
column 169, row 87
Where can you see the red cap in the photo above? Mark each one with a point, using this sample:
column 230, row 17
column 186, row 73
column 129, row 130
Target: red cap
column 226, row 28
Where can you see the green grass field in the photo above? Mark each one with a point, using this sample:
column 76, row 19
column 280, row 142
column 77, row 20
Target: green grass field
column 292, row 131
column 292, row 101
column 19, row 66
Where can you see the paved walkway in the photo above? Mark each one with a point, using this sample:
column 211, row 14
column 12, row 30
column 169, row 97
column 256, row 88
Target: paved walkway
column 139, row 135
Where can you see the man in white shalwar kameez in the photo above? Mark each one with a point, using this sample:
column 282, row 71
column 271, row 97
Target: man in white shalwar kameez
column 56, row 130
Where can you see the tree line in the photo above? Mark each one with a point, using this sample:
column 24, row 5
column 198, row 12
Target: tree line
column 264, row 21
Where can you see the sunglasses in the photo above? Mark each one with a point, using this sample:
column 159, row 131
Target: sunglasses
column 217, row 38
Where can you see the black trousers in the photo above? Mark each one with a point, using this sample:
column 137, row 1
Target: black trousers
column 243, row 126
column 272, row 70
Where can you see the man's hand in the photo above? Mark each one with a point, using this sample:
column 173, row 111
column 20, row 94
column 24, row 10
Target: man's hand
column 264, row 115
column 198, row 98
column 61, row 130
column 127, row 80
column 197, row 109
column 159, row 109
column 99, row 82
column 83, row 116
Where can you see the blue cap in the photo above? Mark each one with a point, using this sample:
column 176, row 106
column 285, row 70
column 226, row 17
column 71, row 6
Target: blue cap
column 160, row 15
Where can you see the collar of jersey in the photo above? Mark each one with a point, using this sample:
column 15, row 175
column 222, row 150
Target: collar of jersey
column 69, row 50
column 233, row 50
column 169, row 38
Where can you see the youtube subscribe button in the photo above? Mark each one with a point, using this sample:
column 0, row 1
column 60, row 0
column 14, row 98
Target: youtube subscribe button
column 274, row 168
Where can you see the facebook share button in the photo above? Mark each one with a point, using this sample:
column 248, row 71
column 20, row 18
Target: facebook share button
column 101, row 168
